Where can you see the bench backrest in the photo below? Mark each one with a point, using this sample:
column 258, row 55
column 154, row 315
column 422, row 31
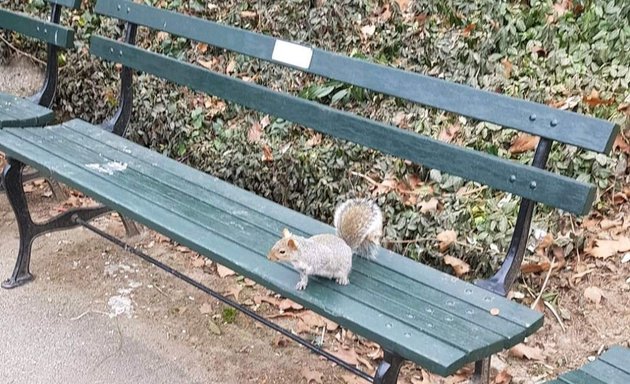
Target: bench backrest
column 47, row 31
column 527, row 181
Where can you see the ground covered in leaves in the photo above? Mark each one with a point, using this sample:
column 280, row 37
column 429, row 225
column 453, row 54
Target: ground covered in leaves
column 569, row 54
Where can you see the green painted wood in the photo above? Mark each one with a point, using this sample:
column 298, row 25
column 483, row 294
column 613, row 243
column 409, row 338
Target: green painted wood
column 610, row 368
column 551, row 189
column 618, row 357
column 164, row 208
column 19, row 112
column 258, row 210
column 476, row 341
column 38, row 29
column 74, row 4
column 579, row 377
column 606, row 373
column 572, row 128
column 443, row 359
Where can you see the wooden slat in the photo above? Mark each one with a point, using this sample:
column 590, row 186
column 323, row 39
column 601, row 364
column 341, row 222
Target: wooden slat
column 38, row 29
column 606, row 373
column 618, row 357
column 257, row 210
column 555, row 190
column 236, row 243
column 578, row 377
column 74, row 4
column 571, row 128
column 18, row 112
column 147, row 181
column 444, row 359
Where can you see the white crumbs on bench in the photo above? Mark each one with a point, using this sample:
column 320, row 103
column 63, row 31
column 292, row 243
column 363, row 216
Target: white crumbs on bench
column 109, row 168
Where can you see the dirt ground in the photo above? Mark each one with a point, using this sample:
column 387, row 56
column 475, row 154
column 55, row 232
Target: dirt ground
column 117, row 314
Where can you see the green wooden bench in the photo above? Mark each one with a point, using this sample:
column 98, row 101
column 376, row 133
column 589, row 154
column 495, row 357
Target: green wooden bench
column 34, row 110
column 413, row 311
column 21, row 112
column 613, row 367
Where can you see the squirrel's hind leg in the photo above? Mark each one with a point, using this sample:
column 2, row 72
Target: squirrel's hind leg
column 343, row 280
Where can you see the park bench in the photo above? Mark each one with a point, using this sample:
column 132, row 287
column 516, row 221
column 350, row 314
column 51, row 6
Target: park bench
column 34, row 110
column 613, row 367
column 414, row 312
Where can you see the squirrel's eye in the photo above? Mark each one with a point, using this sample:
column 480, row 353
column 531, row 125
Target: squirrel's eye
column 282, row 251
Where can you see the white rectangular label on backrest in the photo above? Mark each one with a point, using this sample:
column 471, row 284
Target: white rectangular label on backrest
column 292, row 54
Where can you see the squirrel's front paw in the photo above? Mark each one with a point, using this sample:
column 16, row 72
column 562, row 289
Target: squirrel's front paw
column 301, row 285
column 343, row 280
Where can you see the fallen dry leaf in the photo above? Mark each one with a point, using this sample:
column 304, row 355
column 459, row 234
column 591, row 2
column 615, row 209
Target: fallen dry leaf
column 235, row 291
column 621, row 144
column 224, row 271
column 198, row 262
column 446, row 238
column 254, row 133
column 265, row 121
column 316, row 139
column 594, row 100
column 311, row 319
column 368, row 30
column 248, row 14
column 267, row 154
column 213, row 327
column 606, row 248
column 403, row 4
column 206, row 63
column 447, row 134
column 594, row 294
column 201, row 48
column 347, row 355
column 459, row 266
column 524, row 143
column 469, row 28
column 523, row 351
column 289, row 304
column 267, row 299
column 607, row 224
column 312, row 376
column 503, row 377
column 386, row 186
column 535, row 267
column 386, row 14
column 507, row 67
column 205, row 309
column 429, row 206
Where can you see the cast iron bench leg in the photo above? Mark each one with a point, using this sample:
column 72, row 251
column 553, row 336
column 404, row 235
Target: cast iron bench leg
column 389, row 369
column 482, row 372
column 12, row 178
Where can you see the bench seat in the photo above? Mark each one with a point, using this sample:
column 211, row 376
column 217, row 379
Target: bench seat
column 19, row 112
column 613, row 367
column 424, row 315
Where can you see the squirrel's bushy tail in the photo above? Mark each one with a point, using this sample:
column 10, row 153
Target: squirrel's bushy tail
column 359, row 222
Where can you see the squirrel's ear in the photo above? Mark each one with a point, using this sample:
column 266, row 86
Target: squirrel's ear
column 292, row 245
column 286, row 233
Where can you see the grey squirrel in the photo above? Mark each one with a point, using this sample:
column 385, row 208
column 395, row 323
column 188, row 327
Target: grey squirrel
column 359, row 225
